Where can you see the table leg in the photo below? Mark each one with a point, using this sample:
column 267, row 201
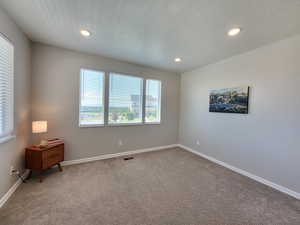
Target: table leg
column 41, row 176
column 29, row 175
column 59, row 167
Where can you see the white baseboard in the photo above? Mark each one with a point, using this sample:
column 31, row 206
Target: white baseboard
column 5, row 198
column 245, row 173
column 280, row 188
column 109, row 156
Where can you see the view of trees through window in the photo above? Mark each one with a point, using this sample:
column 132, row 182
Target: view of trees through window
column 125, row 99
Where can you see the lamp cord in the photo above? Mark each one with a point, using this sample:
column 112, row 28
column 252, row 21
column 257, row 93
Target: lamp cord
column 18, row 174
column 22, row 179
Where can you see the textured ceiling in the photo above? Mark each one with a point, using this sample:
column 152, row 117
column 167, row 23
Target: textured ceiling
column 153, row 32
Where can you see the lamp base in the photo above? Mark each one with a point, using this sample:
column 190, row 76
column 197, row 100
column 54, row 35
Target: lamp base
column 43, row 143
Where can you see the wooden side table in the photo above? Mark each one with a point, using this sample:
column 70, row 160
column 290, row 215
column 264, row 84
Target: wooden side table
column 42, row 158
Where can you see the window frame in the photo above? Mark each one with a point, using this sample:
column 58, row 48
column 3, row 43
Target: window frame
column 106, row 94
column 10, row 134
column 160, row 100
column 103, row 98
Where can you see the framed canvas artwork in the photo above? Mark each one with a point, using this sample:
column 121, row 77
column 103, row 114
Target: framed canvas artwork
column 229, row 100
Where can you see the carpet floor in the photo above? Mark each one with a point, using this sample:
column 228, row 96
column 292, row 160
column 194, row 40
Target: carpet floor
column 170, row 187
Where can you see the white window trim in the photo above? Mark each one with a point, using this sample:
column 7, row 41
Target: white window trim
column 10, row 134
column 103, row 99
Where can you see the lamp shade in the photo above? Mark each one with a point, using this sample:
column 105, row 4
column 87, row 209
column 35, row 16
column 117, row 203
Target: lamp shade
column 39, row 126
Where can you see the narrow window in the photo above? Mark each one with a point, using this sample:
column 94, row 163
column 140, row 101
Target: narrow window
column 153, row 101
column 6, row 89
column 91, row 98
column 125, row 99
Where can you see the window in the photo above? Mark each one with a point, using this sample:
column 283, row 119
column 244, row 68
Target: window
column 129, row 99
column 6, row 89
column 125, row 99
column 153, row 100
column 91, row 98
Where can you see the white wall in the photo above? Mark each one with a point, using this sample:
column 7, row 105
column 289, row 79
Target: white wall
column 12, row 152
column 266, row 141
column 55, row 85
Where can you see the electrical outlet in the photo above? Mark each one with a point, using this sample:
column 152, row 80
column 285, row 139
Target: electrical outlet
column 198, row 142
column 120, row 143
column 12, row 170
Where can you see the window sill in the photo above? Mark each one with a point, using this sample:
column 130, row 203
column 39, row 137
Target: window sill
column 7, row 138
column 153, row 123
column 90, row 125
column 124, row 124
column 117, row 125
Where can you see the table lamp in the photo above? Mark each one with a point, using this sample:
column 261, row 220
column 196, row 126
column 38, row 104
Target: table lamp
column 40, row 127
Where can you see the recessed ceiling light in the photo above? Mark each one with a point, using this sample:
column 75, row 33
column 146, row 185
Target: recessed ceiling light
column 85, row 33
column 234, row 31
column 177, row 60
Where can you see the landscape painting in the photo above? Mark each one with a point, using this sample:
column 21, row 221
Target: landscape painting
column 229, row 100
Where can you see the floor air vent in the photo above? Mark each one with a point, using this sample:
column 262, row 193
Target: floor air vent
column 128, row 158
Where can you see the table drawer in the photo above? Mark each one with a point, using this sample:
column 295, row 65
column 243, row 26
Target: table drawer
column 54, row 156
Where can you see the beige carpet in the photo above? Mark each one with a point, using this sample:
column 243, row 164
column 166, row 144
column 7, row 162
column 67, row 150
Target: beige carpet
column 167, row 187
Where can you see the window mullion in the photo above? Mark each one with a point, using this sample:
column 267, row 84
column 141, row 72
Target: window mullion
column 106, row 97
column 144, row 100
